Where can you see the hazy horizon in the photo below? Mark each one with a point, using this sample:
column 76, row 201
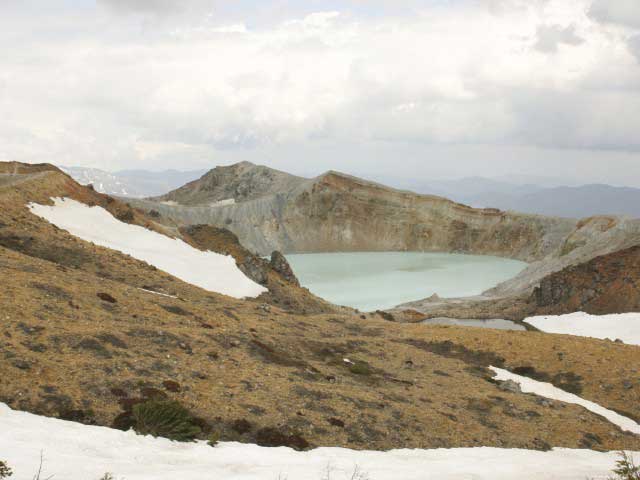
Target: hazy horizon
column 390, row 180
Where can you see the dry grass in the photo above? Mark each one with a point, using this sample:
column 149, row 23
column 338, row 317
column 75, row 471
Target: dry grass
column 72, row 354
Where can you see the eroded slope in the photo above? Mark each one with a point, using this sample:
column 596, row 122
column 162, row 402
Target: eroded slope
column 337, row 212
column 238, row 183
column 82, row 333
column 603, row 285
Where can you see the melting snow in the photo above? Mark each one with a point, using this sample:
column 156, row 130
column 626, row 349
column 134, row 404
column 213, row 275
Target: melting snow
column 208, row 270
column 223, row 203
column 625, row 326
column 78, row 452
column 157, row 293
column 528, row 385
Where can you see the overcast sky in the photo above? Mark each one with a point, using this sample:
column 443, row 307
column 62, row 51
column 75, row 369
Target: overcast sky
column 378, row 88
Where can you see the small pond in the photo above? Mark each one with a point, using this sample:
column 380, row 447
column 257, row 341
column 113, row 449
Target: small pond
column 498, row 324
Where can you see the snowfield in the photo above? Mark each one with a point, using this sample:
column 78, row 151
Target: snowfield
column 543, row 389
column 625, row 326
column 208, row 270
column 78, row 452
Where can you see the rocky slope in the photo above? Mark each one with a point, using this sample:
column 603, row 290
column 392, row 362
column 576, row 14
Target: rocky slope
column 85, row 331
column 240, row 182
column 276, row 274
column 337, row 212
column 284, row 289
column 606, row 284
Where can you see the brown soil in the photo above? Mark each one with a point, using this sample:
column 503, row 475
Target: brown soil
column 78, row 337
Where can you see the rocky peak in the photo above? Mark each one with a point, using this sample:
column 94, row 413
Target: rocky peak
column 280, row 264
column 240, row 182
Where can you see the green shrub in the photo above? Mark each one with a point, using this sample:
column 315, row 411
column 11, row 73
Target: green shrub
column 626, row 469
column 5, row 471
column 214, row 438
column 164, row 418
column 360, row 368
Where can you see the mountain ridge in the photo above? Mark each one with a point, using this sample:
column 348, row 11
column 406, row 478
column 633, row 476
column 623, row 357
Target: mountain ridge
column 88, row 331
column 548, row 198
column 339, row 212
column 238, row 182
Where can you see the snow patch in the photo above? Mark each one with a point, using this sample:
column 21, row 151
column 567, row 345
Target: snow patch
column 157, row 293
column 73, row 451
column 208, row 270
column 222, row 203
column 625, row 326
column 543, row 389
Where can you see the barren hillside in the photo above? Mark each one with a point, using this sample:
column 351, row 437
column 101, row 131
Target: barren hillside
column 337, row 212
column 87, row 330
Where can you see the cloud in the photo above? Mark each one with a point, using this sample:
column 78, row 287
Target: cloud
column 549, row 37
column 112, row 91
column 509, row 7
column 621, row 12
column 634, row 46
column 154, row 6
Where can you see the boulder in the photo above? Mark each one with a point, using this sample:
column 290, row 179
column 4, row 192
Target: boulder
column 280, row 264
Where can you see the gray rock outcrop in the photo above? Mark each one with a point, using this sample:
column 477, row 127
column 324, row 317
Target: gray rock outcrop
column 337, row 212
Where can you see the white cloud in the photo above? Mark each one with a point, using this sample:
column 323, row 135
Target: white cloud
column 634, row 46
column 622, row 12
column 551, row 36
column 111, row 90
column 154, row 6
column 502, row 7
column 231, row 28
column 317, row 20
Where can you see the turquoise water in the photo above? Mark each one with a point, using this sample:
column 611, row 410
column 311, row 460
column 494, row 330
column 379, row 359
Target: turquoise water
column 377, row 280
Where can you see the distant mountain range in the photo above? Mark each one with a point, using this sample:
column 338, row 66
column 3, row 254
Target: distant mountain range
column 563, row 201
column 469, row 189
column 577, row 202
column 132, row 183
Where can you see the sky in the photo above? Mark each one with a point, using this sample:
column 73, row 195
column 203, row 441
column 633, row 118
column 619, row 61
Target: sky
column 377, row 88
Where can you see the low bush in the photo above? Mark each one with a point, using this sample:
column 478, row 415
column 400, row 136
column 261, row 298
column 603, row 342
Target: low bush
column 214, row 438
column 241, row 426
column 164, row 418
column 360, row 368
column 626, row 469
column 5, row 471
column 273, row 437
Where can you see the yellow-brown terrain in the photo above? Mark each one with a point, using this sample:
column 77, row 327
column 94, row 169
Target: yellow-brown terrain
column 82, row 335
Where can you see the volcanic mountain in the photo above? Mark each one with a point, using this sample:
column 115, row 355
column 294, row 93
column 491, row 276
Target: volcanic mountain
column 87, row 331
column 272, row 210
